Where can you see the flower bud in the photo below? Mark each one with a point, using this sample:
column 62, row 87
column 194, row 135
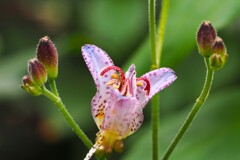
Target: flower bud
column 37, row 72
column 48, row 56
column 205, row 38
column 219, row 47
column 219, row 54
column 28, row 85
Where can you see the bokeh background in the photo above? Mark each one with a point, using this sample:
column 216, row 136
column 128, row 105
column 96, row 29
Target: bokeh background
column 31, row 128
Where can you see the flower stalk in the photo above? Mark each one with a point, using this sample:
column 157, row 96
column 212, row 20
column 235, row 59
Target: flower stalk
column 58, row 102
column 214, row 52
column 199, row 102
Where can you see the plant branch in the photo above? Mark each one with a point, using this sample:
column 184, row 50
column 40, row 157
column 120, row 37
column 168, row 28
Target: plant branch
column 58, row 102
column 199, row 102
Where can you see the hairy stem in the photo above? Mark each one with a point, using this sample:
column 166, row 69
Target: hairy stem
column 156, row 49
column 58, row 102
column 152, row 30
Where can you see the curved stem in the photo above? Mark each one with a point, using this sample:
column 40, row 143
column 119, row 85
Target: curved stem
column 58, row 102
column 199, row 102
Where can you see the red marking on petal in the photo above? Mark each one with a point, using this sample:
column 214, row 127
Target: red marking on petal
column 148, row 87
column 113, row 68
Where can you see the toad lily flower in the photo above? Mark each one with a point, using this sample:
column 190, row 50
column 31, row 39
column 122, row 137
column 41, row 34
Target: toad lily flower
column 118, row 104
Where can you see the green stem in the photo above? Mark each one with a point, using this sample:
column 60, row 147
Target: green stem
column 152, row 30
column 199, row 102
column 161, row 29
column 156, row 50
column 53, row 87
column 155, row 107
column 58, row 102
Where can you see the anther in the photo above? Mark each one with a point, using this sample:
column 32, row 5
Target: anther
column 139, row 83
column 115, row 76
column 114, row 68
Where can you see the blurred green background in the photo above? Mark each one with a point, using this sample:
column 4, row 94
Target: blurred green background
column 31, row 128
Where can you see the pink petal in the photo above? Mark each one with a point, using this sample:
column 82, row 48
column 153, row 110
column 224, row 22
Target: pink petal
column 159, row 79
column 137, row 121
column 96, row 60
column 123, row 115
column 99, row 102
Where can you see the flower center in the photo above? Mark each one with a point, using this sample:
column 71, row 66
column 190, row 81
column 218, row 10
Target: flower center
column 123, row 84
column 108, row 140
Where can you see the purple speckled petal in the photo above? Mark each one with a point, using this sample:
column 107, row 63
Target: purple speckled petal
column 159, row 79
column 97, row 60
column 123, row 115
column 137, row 120
column 98, row 103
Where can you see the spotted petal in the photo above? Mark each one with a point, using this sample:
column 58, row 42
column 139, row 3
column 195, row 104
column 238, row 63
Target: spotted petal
column 97, row 60
column 123, row 115
column 159, row 79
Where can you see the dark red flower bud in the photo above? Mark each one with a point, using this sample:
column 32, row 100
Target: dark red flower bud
column 219, row 47
column 37, row 72
column 205, row 38
column 219, row 54
column 48, row 56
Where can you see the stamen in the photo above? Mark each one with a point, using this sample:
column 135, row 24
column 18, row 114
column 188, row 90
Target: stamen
column 115, row 86
column 147, row 88
column 110, row 82
column 115, row 76
column 139, row 83
column 114, row 68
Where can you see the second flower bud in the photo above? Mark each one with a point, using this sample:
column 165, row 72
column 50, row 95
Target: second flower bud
column 37, row 72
